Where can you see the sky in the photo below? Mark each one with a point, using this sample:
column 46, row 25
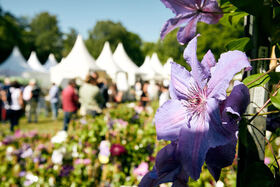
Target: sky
column 143, row 17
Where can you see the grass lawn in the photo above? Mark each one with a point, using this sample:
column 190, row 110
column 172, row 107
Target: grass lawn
column 44, row 125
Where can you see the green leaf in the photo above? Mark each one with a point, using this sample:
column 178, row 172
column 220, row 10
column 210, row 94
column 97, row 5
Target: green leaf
column 275, row 100
column 253, row 7
column 261, row 82
column 257, row 174
column 241, row 44
column 274, row 77
column 237, row 16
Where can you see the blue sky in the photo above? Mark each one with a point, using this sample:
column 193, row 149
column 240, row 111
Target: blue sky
column 144, row 17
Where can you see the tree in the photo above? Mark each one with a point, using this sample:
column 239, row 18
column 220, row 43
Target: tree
column 10, row 34
column 69, row 41
column 215, row 37
column 114, row 33
column 47, row 36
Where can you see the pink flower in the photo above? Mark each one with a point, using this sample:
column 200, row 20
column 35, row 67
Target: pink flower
column 117, row 150
column 87, row 161
column 267, row 160
column 142, row 169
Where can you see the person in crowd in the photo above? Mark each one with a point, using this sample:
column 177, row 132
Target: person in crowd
column 70, row 102
column 144, row 99
column 31, row 95
column 153, row 90
column 16, row 105
column 90, row 97
column 164, row 96
column 112, row 92
column 138, row 90
column 5, row 95
column 54, row 100
column 102, row 85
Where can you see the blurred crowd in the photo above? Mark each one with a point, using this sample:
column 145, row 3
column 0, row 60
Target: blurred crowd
column 88, row 98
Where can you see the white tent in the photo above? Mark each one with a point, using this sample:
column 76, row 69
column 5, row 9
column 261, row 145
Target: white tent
column 51, row 62
column 77, row 64
column 15, row 65
column 34, row 63
column 146, row 70
column 167, row 68
column 156, row 64
column 107, row 62
column 122, row 60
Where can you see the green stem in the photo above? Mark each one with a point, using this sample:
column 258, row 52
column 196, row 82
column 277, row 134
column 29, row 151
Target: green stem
column 258, row 59
column 263, row 114
column 265, row 104
column 274, row 67
column 270, row 147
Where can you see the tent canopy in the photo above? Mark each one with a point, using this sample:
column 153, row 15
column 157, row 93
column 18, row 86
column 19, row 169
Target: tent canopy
column 77, row 64
column 107, row 62
column 156, row 64
column 122, row 60
column 15, row 65
column 51, row 62
column 151, row 68
column 34, row 63
column 167, row 68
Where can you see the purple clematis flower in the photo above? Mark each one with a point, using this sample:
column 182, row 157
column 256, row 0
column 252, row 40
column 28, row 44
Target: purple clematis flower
column 189, row 12
column 200, row 117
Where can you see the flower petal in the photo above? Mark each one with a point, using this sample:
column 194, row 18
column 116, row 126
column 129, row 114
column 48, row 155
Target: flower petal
column 238, row 99
column 179, row 6
column 169, row 119
column 213, row 12
column 187, row 33
column 235, row 105
column 167, row 166
column 173, row 23
column 218, row 135
column 180, row 80
column 193, row 146
column 166, row 159
column 228, row 65
column 198, row 71
column 220, row 157
column 181, row 179
column 208, row 62
column 149, row 179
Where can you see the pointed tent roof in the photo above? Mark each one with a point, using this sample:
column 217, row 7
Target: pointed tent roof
column 78, row 63
column 50, row 62
column 107, row 62
column 80, row 57
column 147, row 69
column 15, row 65
column 167, row 67
column 123, row 60
column 34, row 63
column 156, row 64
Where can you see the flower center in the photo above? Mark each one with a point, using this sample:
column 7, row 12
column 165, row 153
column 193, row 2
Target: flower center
column 196, row 99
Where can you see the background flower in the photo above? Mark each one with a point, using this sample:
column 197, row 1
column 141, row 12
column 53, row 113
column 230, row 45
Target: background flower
column 189, row 12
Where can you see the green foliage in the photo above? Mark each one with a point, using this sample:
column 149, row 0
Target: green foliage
column 258, row 174
column 170, row 47
column 10, row 35
column 241, row 44
column 261, row 82
column 275, row 100
column 215, row 37
column 114, row 33
column 251, row 170
column 47, row 36
column 69, row 41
